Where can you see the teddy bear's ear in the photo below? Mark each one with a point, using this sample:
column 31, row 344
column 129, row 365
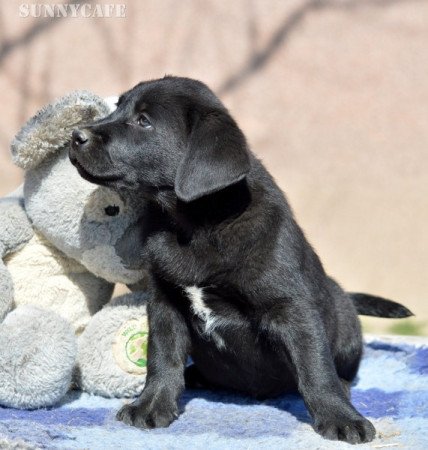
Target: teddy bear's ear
column 50, row 129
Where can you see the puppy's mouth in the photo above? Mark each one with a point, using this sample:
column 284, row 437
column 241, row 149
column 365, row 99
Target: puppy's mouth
column 97, row 179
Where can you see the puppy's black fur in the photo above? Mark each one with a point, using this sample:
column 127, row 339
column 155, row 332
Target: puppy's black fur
column 235, row 283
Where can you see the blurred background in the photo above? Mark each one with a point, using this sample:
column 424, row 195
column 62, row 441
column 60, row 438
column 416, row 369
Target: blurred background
column 332, row 95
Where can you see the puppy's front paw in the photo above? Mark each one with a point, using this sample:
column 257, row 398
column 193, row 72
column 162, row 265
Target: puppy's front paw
column 148, row 414
column 353, row 431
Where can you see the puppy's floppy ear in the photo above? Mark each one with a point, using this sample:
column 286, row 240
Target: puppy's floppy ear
column 216, row 157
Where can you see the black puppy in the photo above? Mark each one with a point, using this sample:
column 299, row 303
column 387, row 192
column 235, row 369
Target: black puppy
column 235, row 283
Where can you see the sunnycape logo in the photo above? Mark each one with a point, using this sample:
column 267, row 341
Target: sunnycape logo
column 72, row 10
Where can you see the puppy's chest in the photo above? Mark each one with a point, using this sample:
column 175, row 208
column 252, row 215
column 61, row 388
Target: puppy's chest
column 209, row 319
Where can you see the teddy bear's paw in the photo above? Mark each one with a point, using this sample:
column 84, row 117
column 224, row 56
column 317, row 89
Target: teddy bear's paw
column 38, row 353
column 112, row 353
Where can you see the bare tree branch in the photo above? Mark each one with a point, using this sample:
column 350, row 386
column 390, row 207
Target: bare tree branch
column 259, row 59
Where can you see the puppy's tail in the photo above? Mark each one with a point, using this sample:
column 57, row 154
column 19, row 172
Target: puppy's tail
column 371, row 305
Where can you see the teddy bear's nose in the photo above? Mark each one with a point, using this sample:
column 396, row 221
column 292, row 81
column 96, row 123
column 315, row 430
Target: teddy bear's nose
column 79, row 138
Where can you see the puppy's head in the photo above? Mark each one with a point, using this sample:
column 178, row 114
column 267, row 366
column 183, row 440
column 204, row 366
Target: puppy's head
column 168, row 134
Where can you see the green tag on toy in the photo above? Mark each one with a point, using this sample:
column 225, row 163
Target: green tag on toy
column 130, row 346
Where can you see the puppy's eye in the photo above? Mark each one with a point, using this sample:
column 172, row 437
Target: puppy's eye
column 112, row 210
column 144, row 121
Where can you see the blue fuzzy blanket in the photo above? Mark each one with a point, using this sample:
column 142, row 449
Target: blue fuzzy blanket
column 391, row 389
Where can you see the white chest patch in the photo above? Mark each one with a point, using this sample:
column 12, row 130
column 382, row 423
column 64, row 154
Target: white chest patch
column 196, row 297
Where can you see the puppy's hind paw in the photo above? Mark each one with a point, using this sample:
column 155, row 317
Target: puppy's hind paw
column 353, row 431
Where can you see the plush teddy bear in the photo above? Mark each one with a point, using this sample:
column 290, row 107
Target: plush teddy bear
column 64, row 243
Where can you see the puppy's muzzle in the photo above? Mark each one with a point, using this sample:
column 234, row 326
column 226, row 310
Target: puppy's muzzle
column 80, row 139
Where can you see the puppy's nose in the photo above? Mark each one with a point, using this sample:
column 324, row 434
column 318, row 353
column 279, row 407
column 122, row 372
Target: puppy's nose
column 79, row 138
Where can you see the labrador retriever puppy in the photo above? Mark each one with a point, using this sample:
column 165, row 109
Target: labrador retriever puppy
column 235, row 283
